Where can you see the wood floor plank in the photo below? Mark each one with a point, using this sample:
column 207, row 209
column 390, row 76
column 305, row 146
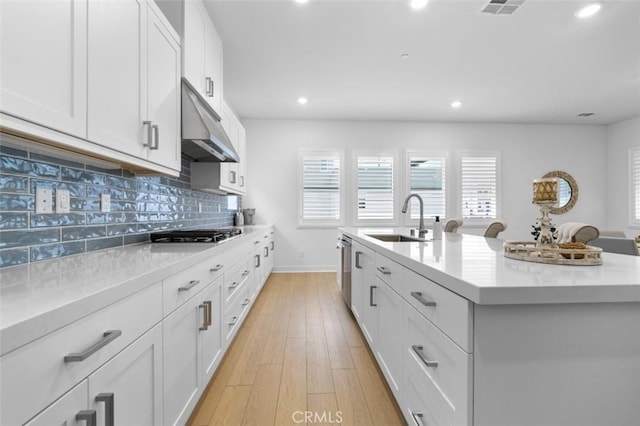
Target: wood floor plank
column 261, row 408
column 274, row 345
column 231, row 406
column 319, row 378
column 293, row 384
column 339, row 354
column 323, row 409
column 246, row 367
column 350, row 398
column 297, row 320
column 377, row 394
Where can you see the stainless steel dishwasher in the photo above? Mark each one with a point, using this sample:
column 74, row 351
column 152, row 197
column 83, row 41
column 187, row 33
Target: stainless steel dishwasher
column 344, row 268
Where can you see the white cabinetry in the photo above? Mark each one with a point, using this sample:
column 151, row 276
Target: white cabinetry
column 202, row 59
column 138, row 112
column 44, row 63
column 71, row 407
column 362, row 264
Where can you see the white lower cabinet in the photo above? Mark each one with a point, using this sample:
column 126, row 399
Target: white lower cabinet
column 68, row 410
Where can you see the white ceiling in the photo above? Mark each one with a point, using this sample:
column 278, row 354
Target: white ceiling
column 539, row 65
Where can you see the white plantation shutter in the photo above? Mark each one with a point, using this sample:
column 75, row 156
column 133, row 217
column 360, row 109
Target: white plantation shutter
column 321, row 188
column 479, row 186
column 375, row 187
column 427, row 178
column 635, row 182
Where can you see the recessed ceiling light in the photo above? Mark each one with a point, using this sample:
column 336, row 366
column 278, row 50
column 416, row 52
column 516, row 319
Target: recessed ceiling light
column 418, row 4
column 404, row 56
column 302, row 101
column 456, row 104
column 586, row 114
column 588, row 11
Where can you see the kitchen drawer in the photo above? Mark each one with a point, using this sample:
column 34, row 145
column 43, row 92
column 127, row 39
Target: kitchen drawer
column 390, row 272
column 449, row 312
column 235, row 280
column 182, row 286
column 36, row 374
column 451, row 373
column 234, row 313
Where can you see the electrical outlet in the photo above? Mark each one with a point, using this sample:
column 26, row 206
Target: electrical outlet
column 105, row 203
column 44, row 200
column 63, row 203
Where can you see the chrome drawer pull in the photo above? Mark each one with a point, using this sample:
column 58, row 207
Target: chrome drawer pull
column 371, row 288
column 246, row 302
column 256, row 242
column 149, row 133
column 189, row 286
column 107, row 337
column 208, row 304
column 109, row 410
column 358, row 266
column 266, row 236
column 245, row 273
column 257, row 264
column 418, row 350
column 205, row 324
column 273, row 245
column 418, row 296
column 89, row 416
column 234, row 320
column 417, row 417
column 384, row 271
column 216, row 268
column 156, row 132
column 266, row 252
column 233, row 285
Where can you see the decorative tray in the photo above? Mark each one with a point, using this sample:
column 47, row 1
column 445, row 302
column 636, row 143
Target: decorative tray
column 530, row 252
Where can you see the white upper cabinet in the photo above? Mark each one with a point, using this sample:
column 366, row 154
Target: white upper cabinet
column 43, row 75
column 134, row 81
column 202, row 59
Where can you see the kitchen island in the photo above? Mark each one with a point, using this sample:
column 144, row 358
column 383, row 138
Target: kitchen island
column 487, row 340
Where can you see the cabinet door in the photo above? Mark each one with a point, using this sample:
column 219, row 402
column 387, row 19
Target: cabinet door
column 193, row 45
column 389, row 349
column 163, row 92
column 212, row 337
column 64, row 410
column 213, row 65
column 129, row 387
column 44, row 63
column 357, row 280
column 182, row 384
column 117, row 72
column 368, row 294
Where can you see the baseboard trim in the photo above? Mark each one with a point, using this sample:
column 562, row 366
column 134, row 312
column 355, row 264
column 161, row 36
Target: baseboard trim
column 309, row 268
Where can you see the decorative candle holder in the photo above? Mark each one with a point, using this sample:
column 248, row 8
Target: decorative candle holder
column 545, row 195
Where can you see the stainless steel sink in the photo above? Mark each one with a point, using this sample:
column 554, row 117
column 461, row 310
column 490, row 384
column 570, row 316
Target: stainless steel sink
column 396, row 238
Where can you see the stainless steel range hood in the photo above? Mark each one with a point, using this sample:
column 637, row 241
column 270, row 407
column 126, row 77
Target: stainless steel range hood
column 203, row 137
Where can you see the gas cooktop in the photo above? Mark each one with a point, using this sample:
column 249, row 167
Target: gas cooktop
column 195, row 235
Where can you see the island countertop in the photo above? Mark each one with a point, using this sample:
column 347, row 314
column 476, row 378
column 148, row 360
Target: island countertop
column 474, row 267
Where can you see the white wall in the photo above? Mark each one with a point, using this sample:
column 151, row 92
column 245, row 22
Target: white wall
column 527, row 152
column 620, row 137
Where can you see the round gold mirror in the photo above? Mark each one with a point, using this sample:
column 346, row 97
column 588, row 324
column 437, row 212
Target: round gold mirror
column 567, row 191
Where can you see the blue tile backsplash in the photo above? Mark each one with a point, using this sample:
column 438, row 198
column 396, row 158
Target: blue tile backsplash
column 139, row 205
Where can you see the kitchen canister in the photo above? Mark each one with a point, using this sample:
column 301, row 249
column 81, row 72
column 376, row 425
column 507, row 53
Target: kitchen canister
column 238, row 218
column 248, row 216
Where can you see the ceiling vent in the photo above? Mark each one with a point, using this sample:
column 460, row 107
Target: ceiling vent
column 502, row 7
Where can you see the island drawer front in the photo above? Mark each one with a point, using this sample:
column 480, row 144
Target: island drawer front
column 34, row 375
column 235, row 279
column 182, row 286
column 234, row 313
column 390, row 272
column 424, row 405
column 452, row 376
column 452, row 314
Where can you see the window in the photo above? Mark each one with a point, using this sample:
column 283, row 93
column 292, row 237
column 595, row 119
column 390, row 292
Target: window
column 320, row 188
column 635, row 185
column 426, row 177
column 375, row 185
column 479, row 185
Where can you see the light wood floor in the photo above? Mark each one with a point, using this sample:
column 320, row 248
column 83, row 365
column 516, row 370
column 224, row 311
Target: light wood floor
column 299, row 350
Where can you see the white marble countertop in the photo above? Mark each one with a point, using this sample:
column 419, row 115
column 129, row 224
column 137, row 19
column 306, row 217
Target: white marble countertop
column 475, row 268
column 41, row 297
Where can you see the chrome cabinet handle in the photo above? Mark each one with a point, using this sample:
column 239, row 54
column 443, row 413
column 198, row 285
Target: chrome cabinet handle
column 109, row 410
column 233, row 285
column 234, row 320
column 358, row 253
column 266, row 252
column 256, row 242
column 242, row 181
column 212, row 87
column 418, row 350
column 232, row 176
column 156, row 132
column 257, row 260
column 216, row 268
column 89, row 416
column 208, row 84
column 418, row 296
column 189, row 286
column 266, row 236
column 273, row 245
column 383, row 270
column 149, row 134
column 371, row 288
column 208, row 304
column 245, row 273
column 417, row 417
column 204, row 325
column 107, row 337
column 246, row 302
